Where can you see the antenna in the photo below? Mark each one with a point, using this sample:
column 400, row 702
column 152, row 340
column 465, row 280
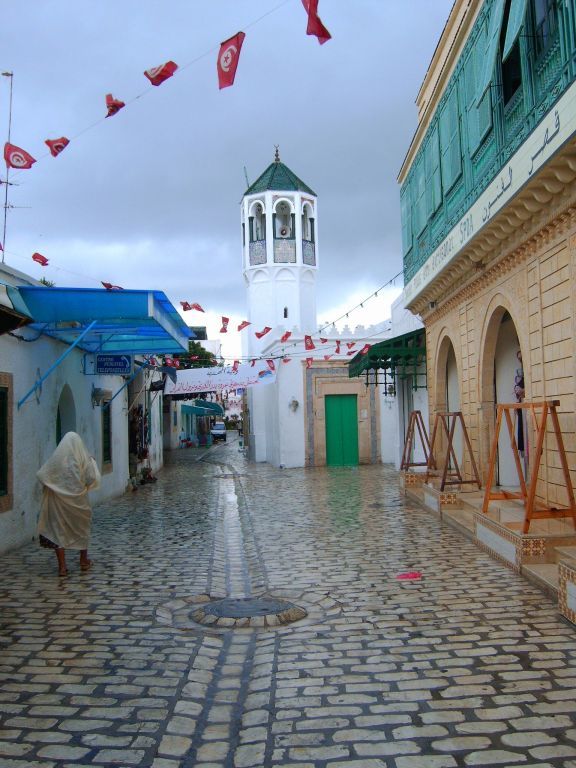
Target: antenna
column 11, row 76
column 246, row 177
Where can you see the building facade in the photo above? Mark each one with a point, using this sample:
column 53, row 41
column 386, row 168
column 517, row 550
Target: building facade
column 488, row 199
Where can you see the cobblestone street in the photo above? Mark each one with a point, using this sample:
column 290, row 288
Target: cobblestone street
column 471, row 666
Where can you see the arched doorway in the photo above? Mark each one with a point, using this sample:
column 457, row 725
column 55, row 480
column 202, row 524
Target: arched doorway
column 507, row 372
column 447, row 390
column 65, row 414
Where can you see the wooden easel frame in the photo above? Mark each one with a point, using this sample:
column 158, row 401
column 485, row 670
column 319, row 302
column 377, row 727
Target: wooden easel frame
column 415, row 422
column 528, row 494
column 446, row 421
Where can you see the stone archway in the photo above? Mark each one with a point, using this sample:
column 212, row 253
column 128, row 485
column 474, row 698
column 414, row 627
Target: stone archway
column 65, row 414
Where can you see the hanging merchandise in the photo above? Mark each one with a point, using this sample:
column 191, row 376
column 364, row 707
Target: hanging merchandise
column 16, row 157
column 113, row 105
column 228, row 59
column 57, row 145
column 39, row 259
column 157, row 75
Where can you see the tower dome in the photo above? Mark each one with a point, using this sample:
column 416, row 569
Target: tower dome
column 280, row 251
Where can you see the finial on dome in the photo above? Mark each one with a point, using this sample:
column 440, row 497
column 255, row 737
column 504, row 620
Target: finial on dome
column 277, row 153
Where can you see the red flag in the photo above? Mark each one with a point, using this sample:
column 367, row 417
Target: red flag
column 323, row 341
column 42, row 260
column 351, row 353
column 113, row 105
column 225, row 321
column 286, row 359
column 350, row 344
column 57, row 145
column 110, row 287
column 308, row 343
column 176, row 363
column 235, row 366
column 263, row 332
column 309, row 362
column 243, row 324
column 197, row 307
column 365, row 349
column 194, row 357
column 168, row 361
column 185, row 306
column 271, row 365
column 286, row 336
column 228, row 57
column 252, row 363
column 315, row 26
column 337, row 350
column 327, row 357
column 17, row 158
column 152, row 361
column 157, row 75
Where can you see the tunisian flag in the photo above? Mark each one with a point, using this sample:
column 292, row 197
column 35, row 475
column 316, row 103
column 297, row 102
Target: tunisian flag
column 57, row 145
column 225, row 321
column 113, row 105
column 315, row 26
column 157, row 75
column 16, row 157
column 286, row 336
column 228, row 58
column 42, row 260
column 263, row 332
column 308, row 343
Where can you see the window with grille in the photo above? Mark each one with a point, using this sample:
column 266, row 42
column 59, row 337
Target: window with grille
column 451, row 156
column 106, row 434
column 3, row 441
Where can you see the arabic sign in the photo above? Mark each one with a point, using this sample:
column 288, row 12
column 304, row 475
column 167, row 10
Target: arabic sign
column 220, row 378
column 120, row 365
column 555, row 129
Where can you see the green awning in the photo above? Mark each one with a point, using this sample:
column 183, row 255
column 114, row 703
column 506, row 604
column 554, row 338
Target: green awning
column 203, row 408
column 401, row 355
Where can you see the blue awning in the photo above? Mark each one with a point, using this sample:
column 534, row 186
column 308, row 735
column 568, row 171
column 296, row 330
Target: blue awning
column 96, row 320
column 203, row 408
column 13, row 312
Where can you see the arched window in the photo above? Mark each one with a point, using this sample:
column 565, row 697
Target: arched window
column 257, row 223
column 307, row 223
column 283, row 221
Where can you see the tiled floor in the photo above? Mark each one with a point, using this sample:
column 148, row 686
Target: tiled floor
column 469, row 666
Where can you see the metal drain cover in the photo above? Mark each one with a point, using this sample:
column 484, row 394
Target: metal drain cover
column 244, row 608
column 248, row 612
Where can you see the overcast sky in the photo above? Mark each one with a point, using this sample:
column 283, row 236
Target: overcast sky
column 150, row 197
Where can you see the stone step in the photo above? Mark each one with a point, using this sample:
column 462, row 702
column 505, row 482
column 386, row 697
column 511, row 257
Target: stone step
column 544, row 575
column 566, row 554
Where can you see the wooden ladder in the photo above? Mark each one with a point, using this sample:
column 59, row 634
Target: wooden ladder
column 450, row 475
column 528, row 493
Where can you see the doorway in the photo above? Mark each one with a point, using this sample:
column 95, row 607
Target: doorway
column 341, row 430
column 507, row 369
column 453, row 400
column 65, row 414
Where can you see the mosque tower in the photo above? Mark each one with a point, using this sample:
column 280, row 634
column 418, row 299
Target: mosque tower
column 280, row 253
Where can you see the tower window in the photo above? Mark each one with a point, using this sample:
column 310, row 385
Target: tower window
column 285, row 312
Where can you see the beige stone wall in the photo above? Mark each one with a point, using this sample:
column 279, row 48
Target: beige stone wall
column 332, row 379
column 536, row 284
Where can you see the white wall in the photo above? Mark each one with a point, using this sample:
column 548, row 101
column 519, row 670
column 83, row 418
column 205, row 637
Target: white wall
column 34, row 427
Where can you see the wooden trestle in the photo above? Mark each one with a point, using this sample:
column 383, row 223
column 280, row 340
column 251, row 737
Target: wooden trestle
column 415, row 422
column 528, row 493
column 449, row 471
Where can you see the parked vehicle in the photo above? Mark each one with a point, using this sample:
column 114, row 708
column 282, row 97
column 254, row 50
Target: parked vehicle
column 218, row 431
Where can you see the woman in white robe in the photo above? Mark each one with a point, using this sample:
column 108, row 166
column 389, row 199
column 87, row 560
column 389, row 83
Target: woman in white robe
column 65, row 514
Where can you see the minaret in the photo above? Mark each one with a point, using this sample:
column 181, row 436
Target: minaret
column 280, row 253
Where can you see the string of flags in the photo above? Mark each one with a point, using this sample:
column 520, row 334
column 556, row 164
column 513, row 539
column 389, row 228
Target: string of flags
column 227, row 64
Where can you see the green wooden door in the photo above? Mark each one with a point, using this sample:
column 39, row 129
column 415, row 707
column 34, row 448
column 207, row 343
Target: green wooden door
column 341, row 430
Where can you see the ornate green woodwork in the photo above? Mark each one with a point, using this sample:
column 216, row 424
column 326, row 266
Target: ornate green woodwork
column 476, row 128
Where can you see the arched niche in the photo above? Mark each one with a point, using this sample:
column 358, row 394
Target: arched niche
column 283, row 218
column 257, row 221
column 308, row 223
column 65, row 413
column 285, row 275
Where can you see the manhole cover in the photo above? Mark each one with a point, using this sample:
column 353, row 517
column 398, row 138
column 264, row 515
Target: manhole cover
column 247, row 607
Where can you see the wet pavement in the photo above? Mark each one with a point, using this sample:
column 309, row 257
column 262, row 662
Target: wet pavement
column 141, row 661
